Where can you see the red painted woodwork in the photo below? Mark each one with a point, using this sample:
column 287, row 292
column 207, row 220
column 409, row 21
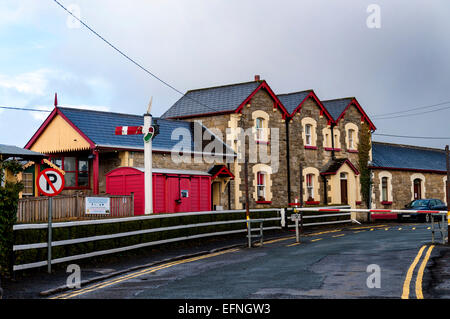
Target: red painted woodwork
column 167, row 190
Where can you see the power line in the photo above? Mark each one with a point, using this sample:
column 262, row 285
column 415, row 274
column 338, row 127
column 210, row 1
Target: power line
column 22, row 109
column 414, row 114
column 418, row 137
column 410, row 110
column 130, row 59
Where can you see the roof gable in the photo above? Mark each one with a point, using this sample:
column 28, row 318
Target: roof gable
column 338, row 107
column 58, row 134
column 293, row 102
column 334, row 166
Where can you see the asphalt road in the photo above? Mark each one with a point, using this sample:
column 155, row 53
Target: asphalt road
column 326, row 264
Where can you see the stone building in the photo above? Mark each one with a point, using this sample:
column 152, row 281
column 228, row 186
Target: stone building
column 403, row 173
column 297, row 148
column 317, row 138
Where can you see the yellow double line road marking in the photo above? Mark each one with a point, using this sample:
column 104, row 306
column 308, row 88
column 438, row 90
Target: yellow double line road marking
column 409, row 274
column 137, row 274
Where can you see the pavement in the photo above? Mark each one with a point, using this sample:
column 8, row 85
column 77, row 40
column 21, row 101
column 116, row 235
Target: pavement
column 332, row 262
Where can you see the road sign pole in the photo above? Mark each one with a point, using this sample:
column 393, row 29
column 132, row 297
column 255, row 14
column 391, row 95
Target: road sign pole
column 297, row 232
column 49, row 243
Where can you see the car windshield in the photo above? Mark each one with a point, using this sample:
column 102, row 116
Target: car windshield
column 419, row 203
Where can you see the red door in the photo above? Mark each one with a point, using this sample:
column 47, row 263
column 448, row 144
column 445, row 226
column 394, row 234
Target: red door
column 417, row 189
column 344, row 195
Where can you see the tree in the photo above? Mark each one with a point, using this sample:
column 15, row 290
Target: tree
column 9, row 198
column 364, row 148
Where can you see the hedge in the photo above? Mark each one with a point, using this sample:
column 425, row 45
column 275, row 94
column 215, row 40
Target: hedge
column 31, row 236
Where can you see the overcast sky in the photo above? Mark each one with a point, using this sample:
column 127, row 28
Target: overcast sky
column 294, row 45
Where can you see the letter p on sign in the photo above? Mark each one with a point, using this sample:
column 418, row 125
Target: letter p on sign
column 50, row 182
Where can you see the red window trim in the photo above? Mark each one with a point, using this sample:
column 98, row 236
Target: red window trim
column 309, row 147
column 76, row 171
column 386, row 203
column 263, row 202
column 352, row 151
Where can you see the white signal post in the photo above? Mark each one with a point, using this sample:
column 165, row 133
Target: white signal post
column 148, row 187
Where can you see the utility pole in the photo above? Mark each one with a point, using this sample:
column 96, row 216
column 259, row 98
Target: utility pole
column 447, row 155
column 148, row 162
column 244, row 149
column 301, row 185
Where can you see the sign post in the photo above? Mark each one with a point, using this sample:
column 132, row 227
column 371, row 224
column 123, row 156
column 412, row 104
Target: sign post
column 296, row 217
column 50, row 183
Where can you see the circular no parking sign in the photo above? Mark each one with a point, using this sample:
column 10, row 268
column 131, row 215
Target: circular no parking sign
column 50, row 182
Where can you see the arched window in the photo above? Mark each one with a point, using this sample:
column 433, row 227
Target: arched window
column 417, row 188
column 351, row 139
column 261, row 186
column 310, row 186
column 384, row 189
column 308, row 136
column 260, row 129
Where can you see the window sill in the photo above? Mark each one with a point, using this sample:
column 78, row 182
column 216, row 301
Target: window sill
column 358, row 202
column 309, row 147
column 386, row 203
column 263, row 202
column 263, row 142
column 311, row 202
column 352, row 151
column 332, row 149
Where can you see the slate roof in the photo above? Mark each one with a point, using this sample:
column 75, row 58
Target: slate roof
column 7, row 151
column 292, row 100
column 334, row 165
column 336, row 107
column 99, row 127
column 388, row 155
column 225, row 98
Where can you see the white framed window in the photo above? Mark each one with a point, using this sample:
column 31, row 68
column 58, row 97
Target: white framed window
column 352, row 139
column 308, row 137
column 261, row 186
column 310, row 186
column 259, row 129
column 384, row 189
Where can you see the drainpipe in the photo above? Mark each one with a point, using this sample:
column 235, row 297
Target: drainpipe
column 288, row 166
column 332, row 141
column 325, row 192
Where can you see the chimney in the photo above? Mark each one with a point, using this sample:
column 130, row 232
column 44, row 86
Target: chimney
column 257, row 78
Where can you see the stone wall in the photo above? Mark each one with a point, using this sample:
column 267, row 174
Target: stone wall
column 400, row 188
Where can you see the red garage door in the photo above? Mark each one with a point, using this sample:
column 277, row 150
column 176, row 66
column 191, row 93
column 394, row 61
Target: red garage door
column 172, row 192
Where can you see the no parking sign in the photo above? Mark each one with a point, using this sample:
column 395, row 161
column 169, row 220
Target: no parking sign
column 50, row 182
